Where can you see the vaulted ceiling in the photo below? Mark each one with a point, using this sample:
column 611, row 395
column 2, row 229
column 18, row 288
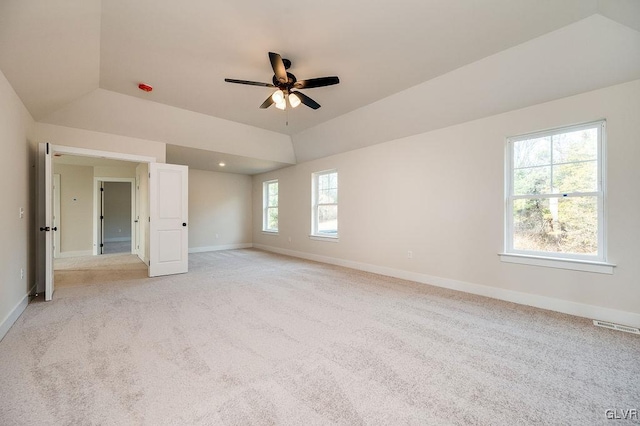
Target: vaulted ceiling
column 414, row 65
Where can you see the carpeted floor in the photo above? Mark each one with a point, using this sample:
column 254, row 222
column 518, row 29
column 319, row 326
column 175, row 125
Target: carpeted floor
column 103, row 269
column 116, row 247
column 248, row 337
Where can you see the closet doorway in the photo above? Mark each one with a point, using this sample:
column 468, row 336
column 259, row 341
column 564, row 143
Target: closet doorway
column 116, row 217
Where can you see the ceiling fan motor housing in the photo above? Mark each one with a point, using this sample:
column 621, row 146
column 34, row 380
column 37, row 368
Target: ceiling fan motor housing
column 291, row 79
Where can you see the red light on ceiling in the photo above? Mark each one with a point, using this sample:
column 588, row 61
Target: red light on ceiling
column 145, row 87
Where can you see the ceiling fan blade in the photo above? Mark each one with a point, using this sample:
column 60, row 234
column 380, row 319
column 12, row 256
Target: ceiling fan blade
column 267, row 102
column 251, row 83
column 307, row 100
column 316, row 82
column 278, row 67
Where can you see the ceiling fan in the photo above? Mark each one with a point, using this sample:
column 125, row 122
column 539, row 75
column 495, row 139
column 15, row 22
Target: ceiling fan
column 285, row 82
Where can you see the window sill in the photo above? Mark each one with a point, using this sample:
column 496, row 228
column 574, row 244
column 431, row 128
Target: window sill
column 555, row 262
column 324, row 238
column 269, row 232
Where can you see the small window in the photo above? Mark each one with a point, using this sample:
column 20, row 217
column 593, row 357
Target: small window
column 325, row 204
column 270, row 206
column 555, row 193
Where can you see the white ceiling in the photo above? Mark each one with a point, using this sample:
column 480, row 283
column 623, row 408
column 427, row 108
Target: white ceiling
column 75, row 62
column 202, row 159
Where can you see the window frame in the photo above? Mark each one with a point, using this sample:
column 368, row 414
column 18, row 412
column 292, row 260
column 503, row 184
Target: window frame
column 266, row 207
column 539, row 257
column 315, row 205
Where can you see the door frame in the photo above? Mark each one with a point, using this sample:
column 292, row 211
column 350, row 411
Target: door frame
column 96, row 210
column 56, row 215
column 44, row 253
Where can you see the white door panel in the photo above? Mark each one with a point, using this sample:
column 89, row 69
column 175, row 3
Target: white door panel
column 168, row 196
column 48, row 226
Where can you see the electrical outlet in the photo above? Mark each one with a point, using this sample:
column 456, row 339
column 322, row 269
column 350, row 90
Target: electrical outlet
column 410, row 254
column 21, row 273
column 289, row 239
column 21, row 213
column 217, row 236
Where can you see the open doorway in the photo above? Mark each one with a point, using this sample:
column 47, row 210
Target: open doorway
column 162, row 200
column 115, row 215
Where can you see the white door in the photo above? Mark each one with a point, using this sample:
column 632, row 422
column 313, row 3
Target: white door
column 48, row 227
column 56, row 215
column 135, row 232
column 168, row 214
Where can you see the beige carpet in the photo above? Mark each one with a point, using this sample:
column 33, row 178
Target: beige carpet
column 95, row 270
column 248, row 337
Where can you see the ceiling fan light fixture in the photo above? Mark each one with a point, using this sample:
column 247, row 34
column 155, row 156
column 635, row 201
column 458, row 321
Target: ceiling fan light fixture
column 278, row 97
column 294, row 100
column 284, row 82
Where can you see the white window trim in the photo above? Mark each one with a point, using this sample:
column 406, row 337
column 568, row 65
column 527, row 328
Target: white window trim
column 265, row 207
column 327, row 238
column 588, row 263
column 559, row 263
column 315, row 235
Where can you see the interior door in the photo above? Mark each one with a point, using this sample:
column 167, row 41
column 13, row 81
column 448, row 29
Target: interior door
column 136, row 217
column 168, row 215
column 101, row 226
column 56, row 216
column 48, row 227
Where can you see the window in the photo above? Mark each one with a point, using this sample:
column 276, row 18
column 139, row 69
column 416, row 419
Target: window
column 555, row 202
column 325, row 204
column 270, row 206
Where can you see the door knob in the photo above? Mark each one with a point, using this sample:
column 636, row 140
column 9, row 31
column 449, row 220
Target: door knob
column 45, row 228
column 184, row 224
column 55, row 228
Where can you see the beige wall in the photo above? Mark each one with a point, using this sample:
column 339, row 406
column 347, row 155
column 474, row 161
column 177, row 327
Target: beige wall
column 117, row 171
column 79, row 138
column 219, row 210
column 17, row 176
column 76, row 209
column 441, row 195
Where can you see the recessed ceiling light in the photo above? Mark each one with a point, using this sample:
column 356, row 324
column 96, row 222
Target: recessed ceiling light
column 222, row 164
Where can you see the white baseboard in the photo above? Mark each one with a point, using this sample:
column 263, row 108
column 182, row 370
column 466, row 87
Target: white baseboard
column 15, row 313
column 222, row 247
column 81, row 253
column 564, row 306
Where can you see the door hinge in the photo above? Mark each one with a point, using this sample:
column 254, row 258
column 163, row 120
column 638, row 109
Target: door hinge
column 102, row 189
column 47, row 147
column 101, row 245
column 149, row 218
column 101, row 217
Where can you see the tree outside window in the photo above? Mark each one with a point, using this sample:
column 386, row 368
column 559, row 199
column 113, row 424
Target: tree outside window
column 270, row 203
column 555, row 199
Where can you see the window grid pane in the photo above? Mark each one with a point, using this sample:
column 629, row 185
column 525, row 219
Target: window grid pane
column 325, row 220
column 555, row 194
column 270, row 214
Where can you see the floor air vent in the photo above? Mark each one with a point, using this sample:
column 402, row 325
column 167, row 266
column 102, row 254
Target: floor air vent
column 616, row 326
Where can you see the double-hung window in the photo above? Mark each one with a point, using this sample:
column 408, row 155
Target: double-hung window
column 270, row 206
column 555, row 194
column 324, row 222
